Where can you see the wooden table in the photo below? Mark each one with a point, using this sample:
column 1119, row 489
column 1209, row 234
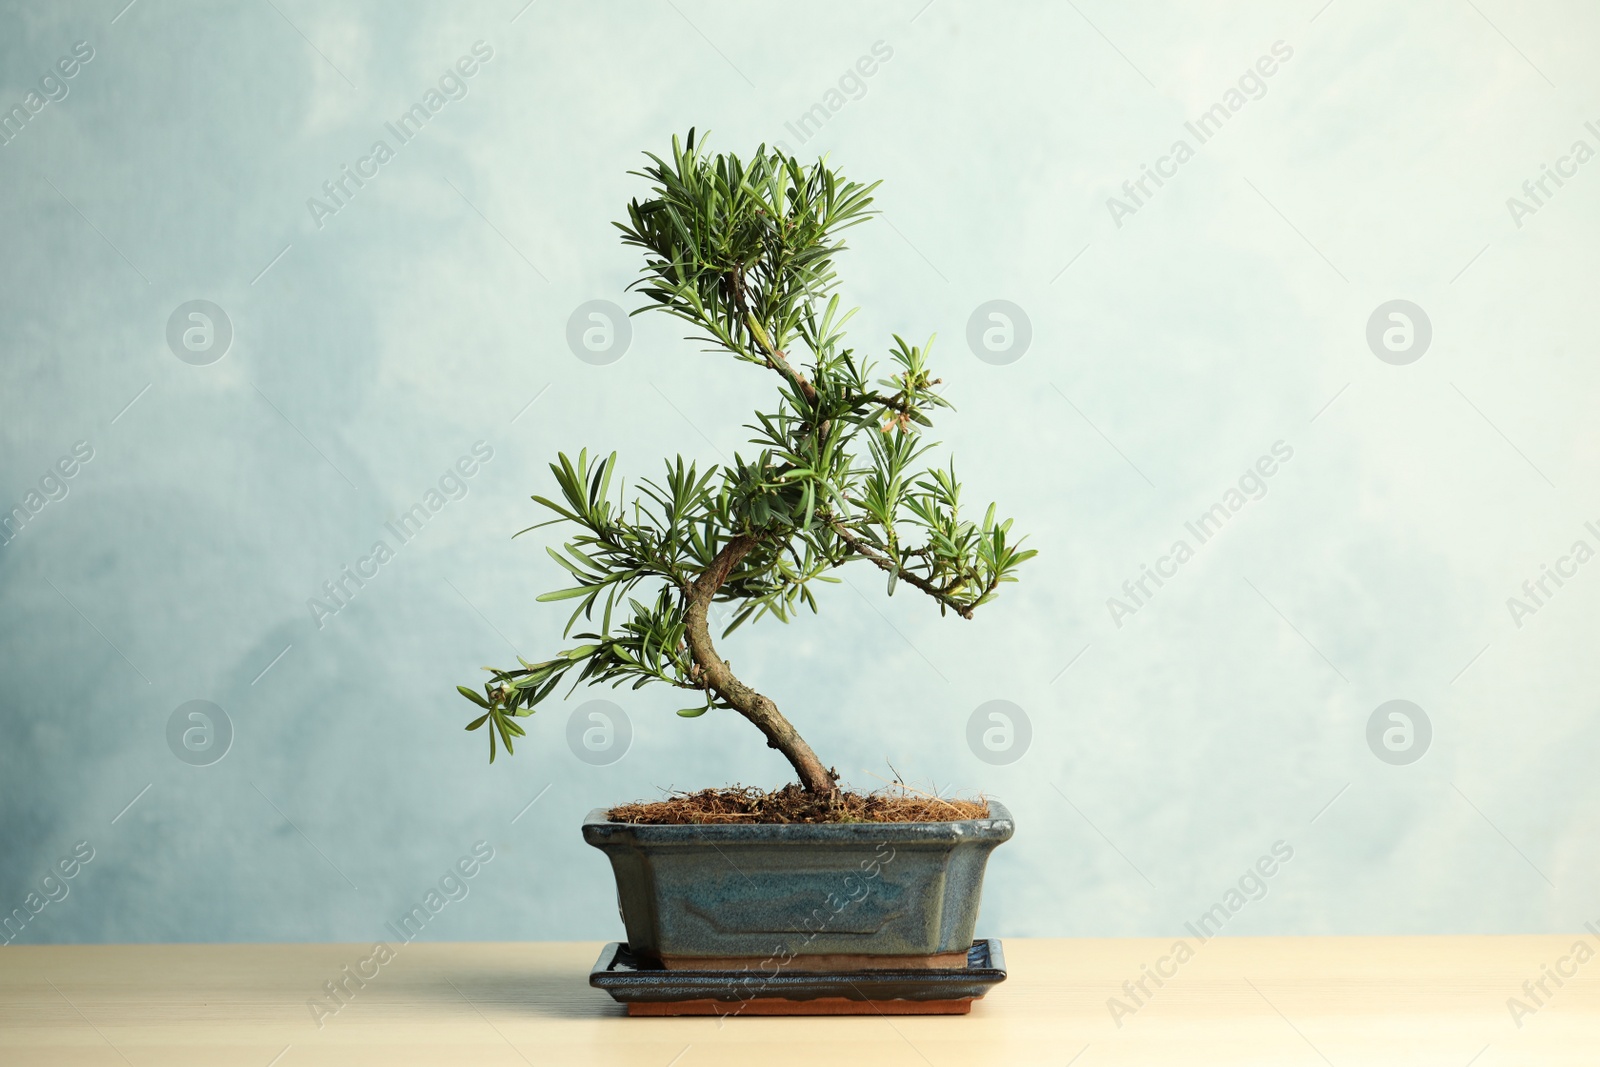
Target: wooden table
column 1237, row 1001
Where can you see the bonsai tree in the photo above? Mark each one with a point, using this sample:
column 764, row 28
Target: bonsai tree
column 744, row 252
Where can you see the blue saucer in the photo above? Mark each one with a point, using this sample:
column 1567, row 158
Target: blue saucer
column 633, row 981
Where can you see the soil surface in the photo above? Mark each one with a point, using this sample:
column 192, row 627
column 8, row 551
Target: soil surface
column 792, row 804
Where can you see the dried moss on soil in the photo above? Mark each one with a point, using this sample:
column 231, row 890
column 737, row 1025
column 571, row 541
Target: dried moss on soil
column 792, row 804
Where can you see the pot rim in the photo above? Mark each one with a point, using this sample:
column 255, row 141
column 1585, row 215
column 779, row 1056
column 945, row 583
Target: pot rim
column 998, row 826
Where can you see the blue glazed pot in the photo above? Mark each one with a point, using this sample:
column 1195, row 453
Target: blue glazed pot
column 764, row 889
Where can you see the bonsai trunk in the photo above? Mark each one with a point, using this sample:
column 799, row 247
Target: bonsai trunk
column 760, row 710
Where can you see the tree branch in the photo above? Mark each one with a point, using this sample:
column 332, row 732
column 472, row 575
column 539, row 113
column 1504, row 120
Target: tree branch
column 884, row 563
column 778, row 361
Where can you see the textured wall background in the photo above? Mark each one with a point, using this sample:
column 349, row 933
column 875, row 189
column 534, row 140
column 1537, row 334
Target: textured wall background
column 1176, row 336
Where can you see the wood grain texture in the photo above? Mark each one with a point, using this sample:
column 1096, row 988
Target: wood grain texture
column 1238, row 1001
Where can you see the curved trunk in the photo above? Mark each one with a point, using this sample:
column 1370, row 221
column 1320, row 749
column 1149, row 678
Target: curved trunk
column 761, row 711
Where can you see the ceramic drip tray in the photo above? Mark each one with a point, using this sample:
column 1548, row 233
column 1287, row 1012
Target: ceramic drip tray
column 649, row 989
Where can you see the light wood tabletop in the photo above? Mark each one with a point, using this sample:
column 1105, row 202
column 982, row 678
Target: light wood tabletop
column 1282, row 1001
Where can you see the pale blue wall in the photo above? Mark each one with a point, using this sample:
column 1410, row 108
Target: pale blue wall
column 1226, row 313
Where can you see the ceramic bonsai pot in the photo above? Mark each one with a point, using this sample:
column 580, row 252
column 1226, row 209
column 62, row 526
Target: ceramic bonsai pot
column 860, row 896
